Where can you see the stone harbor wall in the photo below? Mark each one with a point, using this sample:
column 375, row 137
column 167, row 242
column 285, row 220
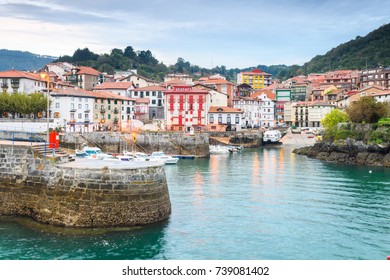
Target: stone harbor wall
column 350, row 152
column 84, row 193
column 172, row 143
column 147, row 142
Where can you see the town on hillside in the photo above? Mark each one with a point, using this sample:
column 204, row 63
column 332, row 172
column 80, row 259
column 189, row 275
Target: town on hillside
column 83, row 99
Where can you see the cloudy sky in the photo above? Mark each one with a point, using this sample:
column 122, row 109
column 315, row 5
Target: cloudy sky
column 234, row 33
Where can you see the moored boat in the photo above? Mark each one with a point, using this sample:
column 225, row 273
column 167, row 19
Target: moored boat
column 161, row 157
column 271, row 136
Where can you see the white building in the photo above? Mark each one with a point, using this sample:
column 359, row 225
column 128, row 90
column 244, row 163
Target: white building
column 251, row 110
column 72, row 109
column 155, row 94
column 223, row 118
column 382, row 97
column 267, row 104
column 13, row 81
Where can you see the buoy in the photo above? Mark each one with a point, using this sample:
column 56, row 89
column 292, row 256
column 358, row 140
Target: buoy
column 370, row 171
column 388, row 258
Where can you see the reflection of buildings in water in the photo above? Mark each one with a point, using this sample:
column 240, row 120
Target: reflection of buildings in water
column 256, row 172
column 198, row 188
column 214, row 169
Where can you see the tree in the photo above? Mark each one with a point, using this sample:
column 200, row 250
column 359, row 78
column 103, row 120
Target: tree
column 334, row 117
column 129, row 52
column 367, row 110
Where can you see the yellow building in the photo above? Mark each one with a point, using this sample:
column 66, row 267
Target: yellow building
column 256, row 78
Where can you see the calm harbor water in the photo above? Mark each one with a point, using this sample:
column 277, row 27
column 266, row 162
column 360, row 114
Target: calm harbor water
column 258, row 204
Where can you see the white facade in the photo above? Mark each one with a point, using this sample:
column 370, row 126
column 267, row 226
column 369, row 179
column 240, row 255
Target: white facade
column 25, row 85
column 267, row 110
column 251, row 111
column 218, row 98
column 317, row 112
column 74, row 112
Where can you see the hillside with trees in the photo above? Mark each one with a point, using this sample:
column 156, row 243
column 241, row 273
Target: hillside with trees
column 370, row 51
column 22, row 60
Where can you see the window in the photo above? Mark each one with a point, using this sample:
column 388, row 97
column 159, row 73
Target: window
column 86, row 107
column 220, row 118
column 237, row 119
column 86, row 116
column 211, row 118
column 72, row 116
column 228, row 119
column 135, row 93
column 154, row 102
column 72, row 98
column 72, row 106
column 96, row 106
column 79, row 116
column 147, row 93
column 153, row 93
column 80, row 99
column 57, row 105
column 109, row 116
column 80, row 106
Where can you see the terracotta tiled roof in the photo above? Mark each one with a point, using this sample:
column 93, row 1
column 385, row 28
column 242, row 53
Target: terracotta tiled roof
column 70, row 91
column 142, row 100
column 20, row 74
column 255, row 72
column 224, row 109
column 151, row 88
column 87, row 71
column 114, row 85
column 206, row 80
column 268, row 93
column 105, row 94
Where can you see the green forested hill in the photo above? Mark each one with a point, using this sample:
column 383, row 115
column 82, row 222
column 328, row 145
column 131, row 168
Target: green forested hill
column 370, row 51
column 20, row 60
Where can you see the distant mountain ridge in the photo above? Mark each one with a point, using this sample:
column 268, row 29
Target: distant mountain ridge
column 21, row 60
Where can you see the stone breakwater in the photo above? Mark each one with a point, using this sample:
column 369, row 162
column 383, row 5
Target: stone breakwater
column 84, row 193
column 349, row 152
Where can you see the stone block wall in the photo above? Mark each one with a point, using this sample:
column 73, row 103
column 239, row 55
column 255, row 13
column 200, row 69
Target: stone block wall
column 69, row 194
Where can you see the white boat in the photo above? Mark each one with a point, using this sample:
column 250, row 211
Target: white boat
column 96, row 153
column 161, row 157
column 136, row 156
column 218, row 149
column 271, row 136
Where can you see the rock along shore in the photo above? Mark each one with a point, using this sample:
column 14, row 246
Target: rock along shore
column 349, row 151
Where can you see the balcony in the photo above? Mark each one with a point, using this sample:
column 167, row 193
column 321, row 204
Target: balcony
column 87, row 110
column 87, row 120
column 73, row 110
column 102, row 111
column 116, row 111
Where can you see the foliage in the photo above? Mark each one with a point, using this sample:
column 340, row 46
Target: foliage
column 22, row 60
column 21, row 104
column 367, row 110
column 333, row 118
column 380, row 136
column 370, row 51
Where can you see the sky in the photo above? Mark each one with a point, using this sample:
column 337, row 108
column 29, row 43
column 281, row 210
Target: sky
column 207, row 33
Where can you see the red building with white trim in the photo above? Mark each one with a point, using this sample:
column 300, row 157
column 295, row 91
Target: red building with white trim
column 186, row 108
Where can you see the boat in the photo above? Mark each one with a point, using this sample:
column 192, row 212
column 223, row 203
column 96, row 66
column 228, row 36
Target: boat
column 137, row 156
column 218, row 149
column 96, row 153
column 161, row 157
column 271, row 136
column 234, row 148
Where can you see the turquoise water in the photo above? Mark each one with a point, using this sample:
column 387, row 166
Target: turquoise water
column 258, row 204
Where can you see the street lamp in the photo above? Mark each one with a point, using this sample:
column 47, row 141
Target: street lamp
column 45, row 75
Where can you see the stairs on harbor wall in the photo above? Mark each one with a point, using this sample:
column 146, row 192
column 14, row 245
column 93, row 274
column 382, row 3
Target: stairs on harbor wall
column 41, row 149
